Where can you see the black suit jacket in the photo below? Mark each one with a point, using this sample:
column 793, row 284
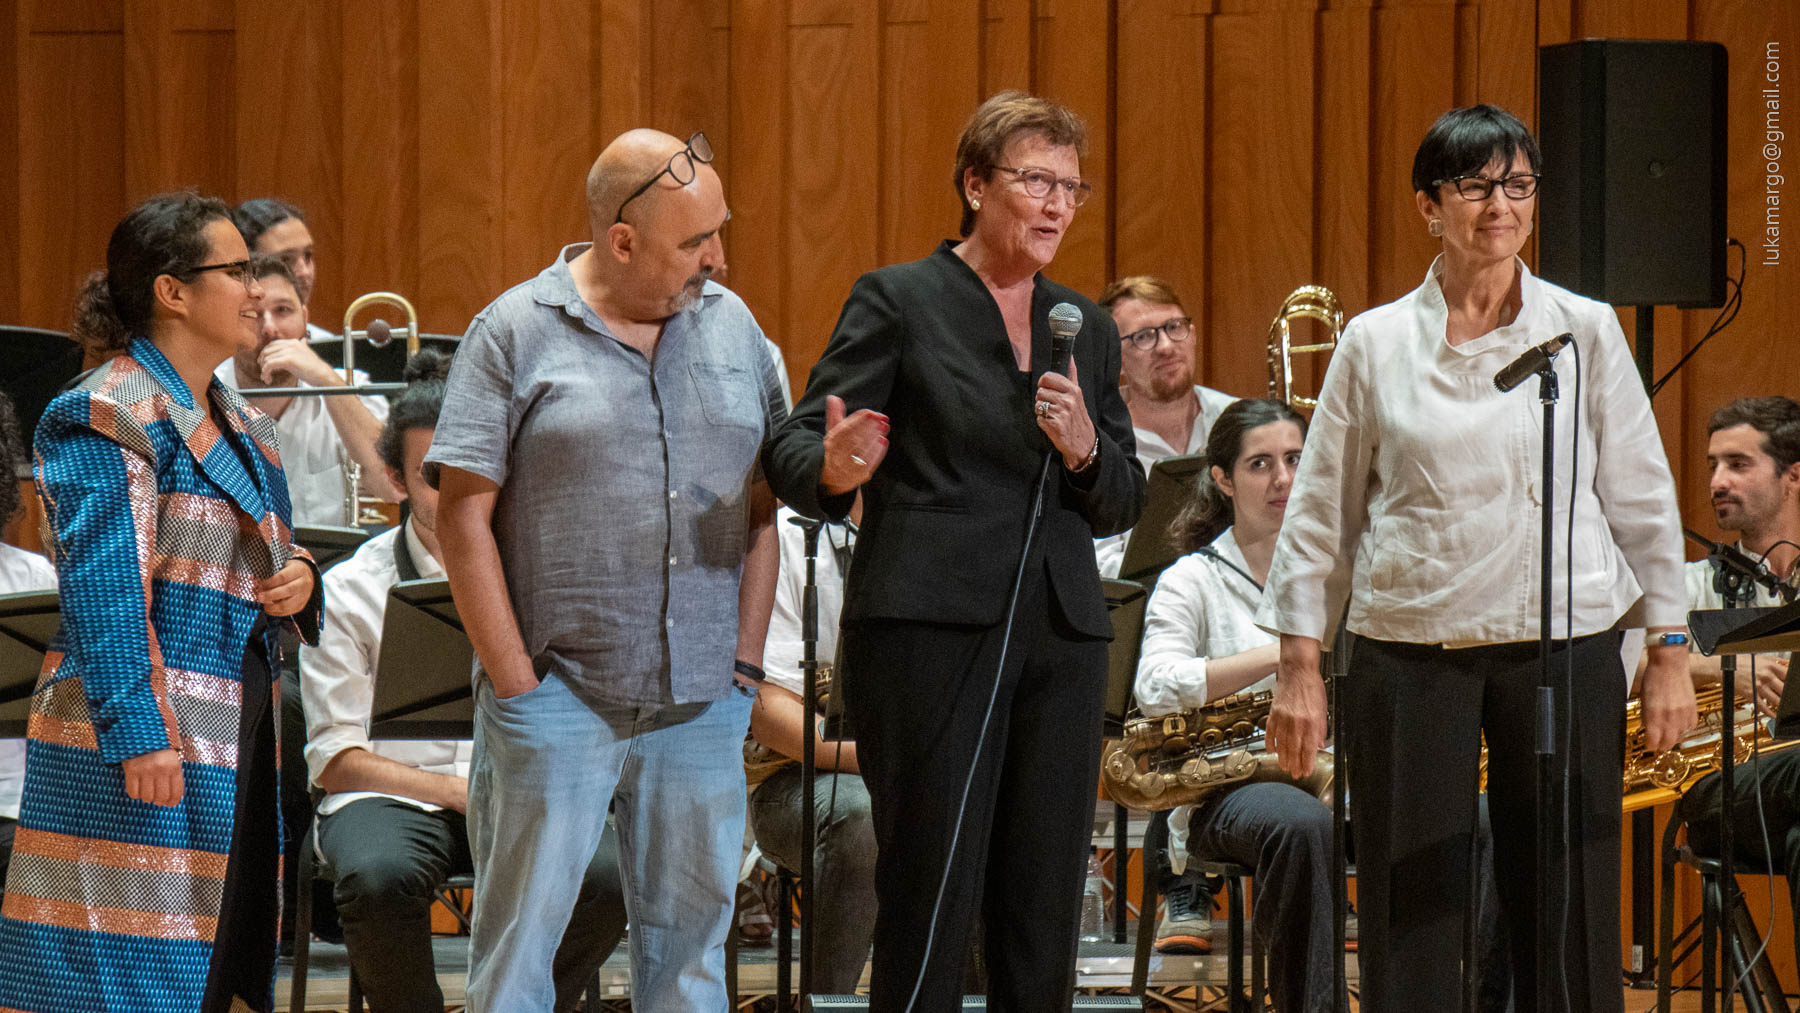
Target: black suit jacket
column 945, row 515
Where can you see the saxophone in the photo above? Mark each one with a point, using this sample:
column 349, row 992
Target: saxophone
column 1655, row 778
column 1182, row 758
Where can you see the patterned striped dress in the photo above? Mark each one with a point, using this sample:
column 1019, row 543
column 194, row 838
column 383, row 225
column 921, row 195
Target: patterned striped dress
column 162, row 524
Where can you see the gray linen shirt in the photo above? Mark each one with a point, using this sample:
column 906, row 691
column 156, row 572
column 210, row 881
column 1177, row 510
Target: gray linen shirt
column 623, row 511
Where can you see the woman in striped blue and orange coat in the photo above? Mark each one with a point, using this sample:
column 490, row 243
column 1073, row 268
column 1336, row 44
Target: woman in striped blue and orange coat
column 145, row 869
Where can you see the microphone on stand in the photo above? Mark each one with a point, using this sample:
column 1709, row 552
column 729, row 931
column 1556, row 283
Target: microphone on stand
column 1534, row 359
column 1733, row 558
column 1065, row 323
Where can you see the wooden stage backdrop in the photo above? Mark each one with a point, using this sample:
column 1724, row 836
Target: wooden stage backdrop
column 1241, row 147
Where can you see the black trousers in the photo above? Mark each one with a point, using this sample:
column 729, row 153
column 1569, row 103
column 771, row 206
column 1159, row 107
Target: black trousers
column 1768, row 832
column 389, row 859
column 1416, row 713
column 916, row 694
column 244, row 944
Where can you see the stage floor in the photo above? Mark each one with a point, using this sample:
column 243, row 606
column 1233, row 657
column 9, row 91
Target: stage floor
column 1103, row 966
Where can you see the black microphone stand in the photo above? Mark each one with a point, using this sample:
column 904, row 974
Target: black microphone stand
column 809, row 706
column 1734, row 590
column 1548, row 957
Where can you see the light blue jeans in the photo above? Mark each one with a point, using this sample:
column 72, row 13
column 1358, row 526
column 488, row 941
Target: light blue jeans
column 546, row 765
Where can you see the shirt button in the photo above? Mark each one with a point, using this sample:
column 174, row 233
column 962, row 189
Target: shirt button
column 671, row 560
column 672, row 494
column 670, row 623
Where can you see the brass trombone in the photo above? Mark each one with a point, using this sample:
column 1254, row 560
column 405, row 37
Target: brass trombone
column 1309, row 302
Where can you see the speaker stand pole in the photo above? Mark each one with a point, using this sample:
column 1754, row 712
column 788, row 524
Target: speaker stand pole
column 1643, row 827
column 1646, row 344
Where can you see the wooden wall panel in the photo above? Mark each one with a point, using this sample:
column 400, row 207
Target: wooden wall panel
column 1074, row 66
column 1261, row 220
column 1414, row 84
column 1161, row 147
column 930, row 62
column 459, row 164
column 72, row 188
column 12, row 14
column 381, row 141
column 831, row 139
column 290, row 129
column 545, row 109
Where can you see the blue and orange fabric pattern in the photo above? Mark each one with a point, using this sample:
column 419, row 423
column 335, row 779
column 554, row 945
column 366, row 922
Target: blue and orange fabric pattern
column 162, row 523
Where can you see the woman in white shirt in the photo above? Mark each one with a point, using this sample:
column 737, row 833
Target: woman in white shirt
column 1418, row 506
column 1201, row 644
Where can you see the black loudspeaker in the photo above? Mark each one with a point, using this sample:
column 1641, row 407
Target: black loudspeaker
column 976, row 1003
column 1632, row 205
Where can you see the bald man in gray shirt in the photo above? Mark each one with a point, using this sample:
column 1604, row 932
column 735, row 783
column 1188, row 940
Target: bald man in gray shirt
column 609, row 540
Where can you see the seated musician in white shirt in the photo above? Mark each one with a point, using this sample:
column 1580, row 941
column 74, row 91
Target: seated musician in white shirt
column 391, row 825
column 1171, row 415
column 844, row 855
column 20, row 570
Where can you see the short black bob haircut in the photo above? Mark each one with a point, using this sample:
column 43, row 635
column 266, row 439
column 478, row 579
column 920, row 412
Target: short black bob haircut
column 1463, row 141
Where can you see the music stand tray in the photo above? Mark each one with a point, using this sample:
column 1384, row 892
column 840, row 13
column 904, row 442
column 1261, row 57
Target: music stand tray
column 1148, row 552
column 329, row 544
column 423, row 676
column 28, row 622
column 1755, row 631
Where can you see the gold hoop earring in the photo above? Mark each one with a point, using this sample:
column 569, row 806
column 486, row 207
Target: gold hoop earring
column 1435, row 227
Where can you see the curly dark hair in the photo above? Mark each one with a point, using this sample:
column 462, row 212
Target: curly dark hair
column 417, row 407
column 96, row 328
column 164, row 235
column 12, row 456
column 1208, row 514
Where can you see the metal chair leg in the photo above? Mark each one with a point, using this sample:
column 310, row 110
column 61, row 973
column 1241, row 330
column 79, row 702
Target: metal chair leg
column 1665, row 937
column 784, row 980
column 1234, row 943
column 306, row 871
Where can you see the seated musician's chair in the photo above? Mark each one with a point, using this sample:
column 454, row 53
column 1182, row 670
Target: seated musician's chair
column 1749, row 961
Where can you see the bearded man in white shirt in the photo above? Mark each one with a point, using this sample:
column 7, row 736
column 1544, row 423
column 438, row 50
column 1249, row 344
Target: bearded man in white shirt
column 1753, row 454
column 391, row 825
column 1171, row 415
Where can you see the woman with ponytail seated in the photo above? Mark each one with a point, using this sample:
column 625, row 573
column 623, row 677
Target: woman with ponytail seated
column 144, row 868
column 1200, row 646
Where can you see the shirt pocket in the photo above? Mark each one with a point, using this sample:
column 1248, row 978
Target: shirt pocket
column 727, row 394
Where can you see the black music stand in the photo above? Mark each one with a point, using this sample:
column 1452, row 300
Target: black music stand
column 424, row 675
column 1149, row 550
column 28, row 622
column 35, row 366
column 328, row 543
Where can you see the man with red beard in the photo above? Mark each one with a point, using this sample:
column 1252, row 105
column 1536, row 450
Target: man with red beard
column 1170, row 413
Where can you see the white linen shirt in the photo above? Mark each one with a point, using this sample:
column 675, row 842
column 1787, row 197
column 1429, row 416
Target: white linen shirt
column 1417, row 497
column 783, row 646
column 1201, row 609
column 312, row 454
column 21, row 570
column 337, row 678
column 1109, row 552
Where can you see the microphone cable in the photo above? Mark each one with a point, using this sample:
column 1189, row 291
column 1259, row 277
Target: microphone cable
column 962, row 807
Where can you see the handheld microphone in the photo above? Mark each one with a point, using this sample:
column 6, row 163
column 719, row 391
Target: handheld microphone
column 1534, row 359
column 1065, row 323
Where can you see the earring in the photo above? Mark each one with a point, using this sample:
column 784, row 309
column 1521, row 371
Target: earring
column 974, row 204
column 1435, row 227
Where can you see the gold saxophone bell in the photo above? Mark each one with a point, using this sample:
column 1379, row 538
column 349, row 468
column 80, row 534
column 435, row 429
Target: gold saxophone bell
column 1308, row 302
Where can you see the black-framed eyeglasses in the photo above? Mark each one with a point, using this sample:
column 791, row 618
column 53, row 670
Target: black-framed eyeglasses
column 1037, row 183
column 680, row 169
column 239, row 269
column 1477, row 187
column 1176, row 329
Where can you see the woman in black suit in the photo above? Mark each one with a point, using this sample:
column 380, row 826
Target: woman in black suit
column 963, row 701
